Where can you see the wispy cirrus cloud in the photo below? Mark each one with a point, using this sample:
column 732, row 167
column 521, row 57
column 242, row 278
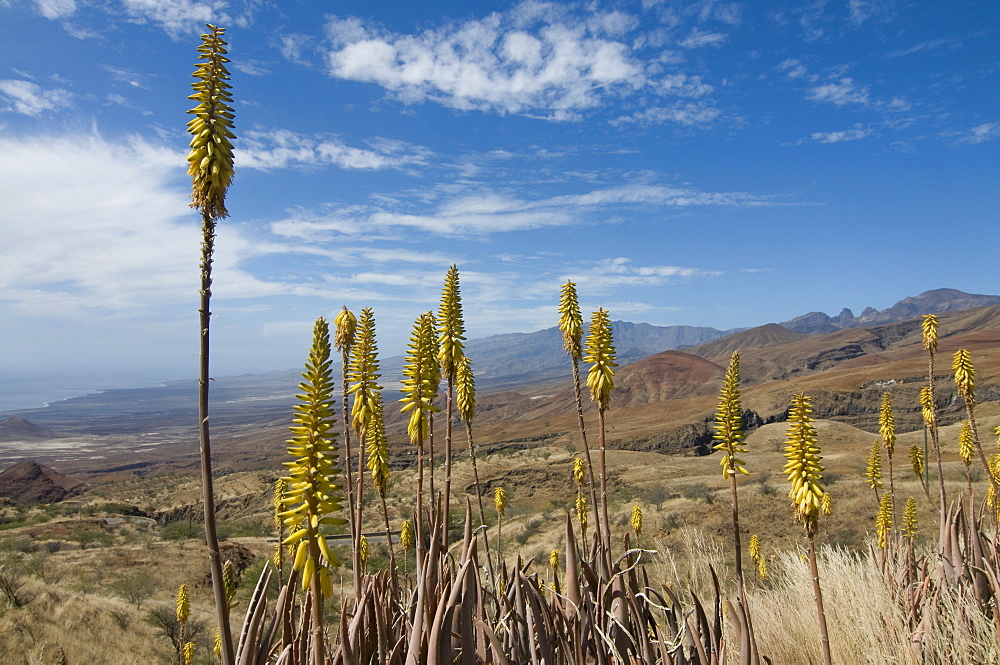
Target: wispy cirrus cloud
column 489, row 212
column 27, row 98
column 988, row 131
column 55, row 9
column 264, row 149
column 841, row 136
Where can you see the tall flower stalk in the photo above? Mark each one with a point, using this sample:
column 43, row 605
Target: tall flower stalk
column 363, row 375
column 346, row 328
column 805, row 472
column 312, row 495
column 873, row 471
column 600, row 354
column 451, row 329
column 210, row 165
column 571, row 326
column 421, row 379
column 887, row 430
column 377, row 446
column 928, row 405
column 729, row 433
column 965, row 382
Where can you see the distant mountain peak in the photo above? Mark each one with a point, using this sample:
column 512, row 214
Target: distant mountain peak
column 935, row 301
column 17, row 428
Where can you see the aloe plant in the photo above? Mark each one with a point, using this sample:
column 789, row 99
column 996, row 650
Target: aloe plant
column 210, row 165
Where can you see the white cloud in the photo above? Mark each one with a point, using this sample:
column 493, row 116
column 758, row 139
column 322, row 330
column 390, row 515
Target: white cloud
column 104, row 223
column 178, row 16
column 29, row 98
column 988, row 131
column 558, row 67
column 54, row 9
column 697, row 38
column 620, row 271
column 488, row 212
column 280, row 148
column 841, row 92
column 689, row 115
column 793, row 68
column 536, row 59
column 841, row 136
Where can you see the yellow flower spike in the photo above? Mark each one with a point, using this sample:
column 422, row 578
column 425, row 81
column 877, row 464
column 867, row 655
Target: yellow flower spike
column 554, row 561
column 280, row 487
column 966, row 443
column 803, row 467
column 377, row 447
column 965, row 374
column 571, row 321
column 909, row 527
column 762, row 568
column 465, row 390
column 754, row 547
column 217, row 644
column 873, row 472
column 421, row 377
column 887, row 424
column 210, row 160
column 635, row 520
column 183, row 604
column 729, row 421
column 500, row 501
column 406, row 534
column 229, row 581
column 929, row 328
column 826, row 504
column 579, row 471
column 451, row 327
column 927, row 407
column 346, row 325
column 581, row 511
column 363, row 549
column 600, row 354
column 313, row 495
column 917, row 460
column 363, row 372
column 883, row 520
column 188, row 653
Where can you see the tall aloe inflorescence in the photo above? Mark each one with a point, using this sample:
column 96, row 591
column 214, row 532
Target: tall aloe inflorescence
column 805, row 471
column 210, row 165
column 600, row 354
column 965, row 382
column 451, row 338
column 928, row 406
column 421, row 379
column 887, row 430
column 571, row 326
column 363, row 375
column 312, row 499
column 345, row 330
column 729, row 434
column 873, row 470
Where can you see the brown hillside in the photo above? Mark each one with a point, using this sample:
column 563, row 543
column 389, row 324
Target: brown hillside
column 767, row 335
column 665, row 376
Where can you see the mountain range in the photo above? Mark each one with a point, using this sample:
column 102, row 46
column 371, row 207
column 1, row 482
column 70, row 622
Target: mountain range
column 513, row 361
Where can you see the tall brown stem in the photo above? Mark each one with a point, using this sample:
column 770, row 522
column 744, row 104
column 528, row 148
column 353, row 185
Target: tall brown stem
column 208, row 491
column 586, row 449
column 818, row 595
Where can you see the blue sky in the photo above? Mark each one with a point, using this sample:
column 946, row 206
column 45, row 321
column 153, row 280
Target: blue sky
column 708, row 163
